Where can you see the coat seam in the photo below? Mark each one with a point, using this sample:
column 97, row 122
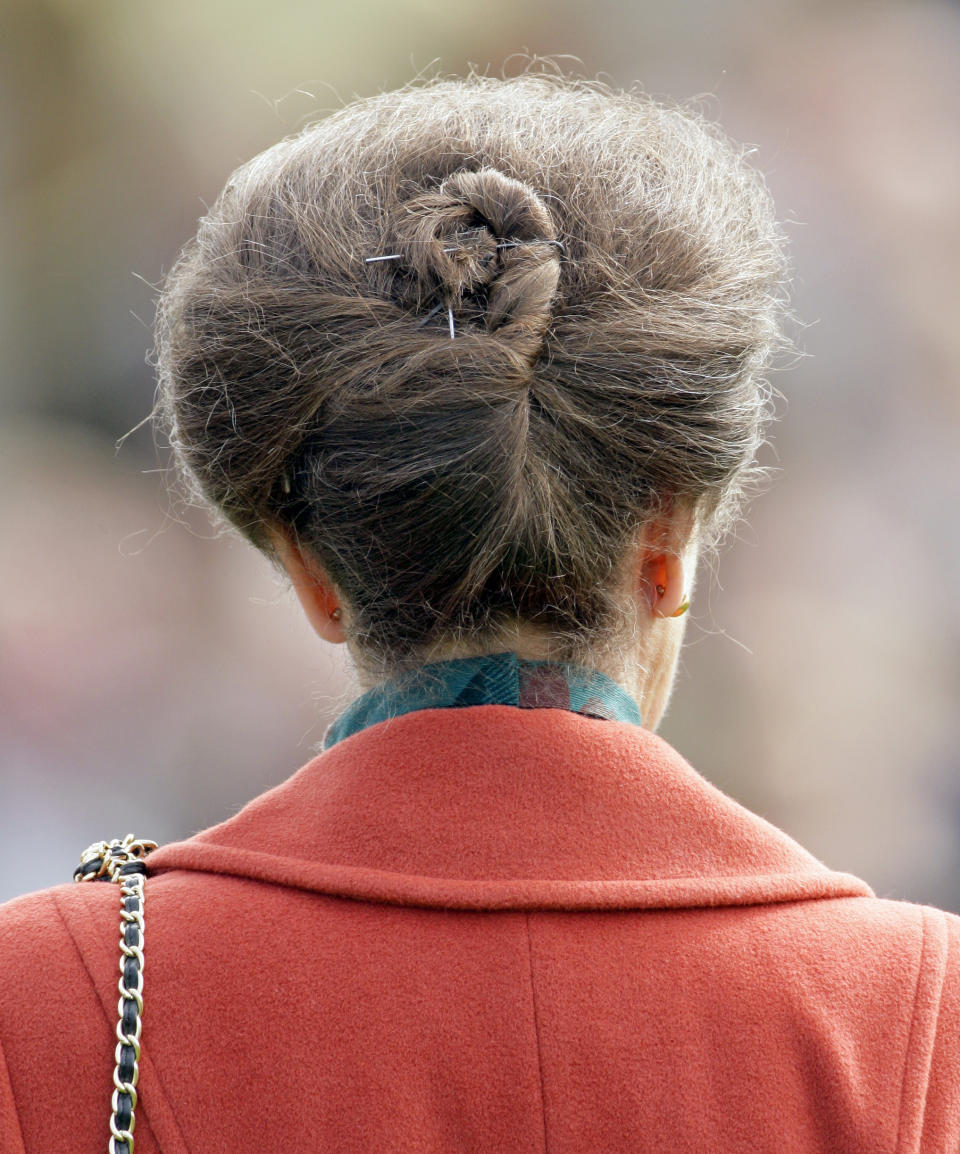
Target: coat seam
column 536, row 1032
column 913, row 1030
column 96, row 993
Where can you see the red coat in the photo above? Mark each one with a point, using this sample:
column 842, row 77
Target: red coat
column 490, row 930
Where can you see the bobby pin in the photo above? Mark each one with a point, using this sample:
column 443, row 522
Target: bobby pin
column 521, row 243
column 432, row 313
column 503, row 244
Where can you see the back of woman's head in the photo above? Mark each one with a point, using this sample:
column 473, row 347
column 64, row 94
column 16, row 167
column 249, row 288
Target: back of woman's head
column 463, row 340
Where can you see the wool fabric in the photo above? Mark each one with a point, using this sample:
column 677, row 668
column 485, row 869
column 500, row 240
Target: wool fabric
column 490, row 929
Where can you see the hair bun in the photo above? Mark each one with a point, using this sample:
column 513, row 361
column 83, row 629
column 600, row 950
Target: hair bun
column 484, row 246
column 453, row 488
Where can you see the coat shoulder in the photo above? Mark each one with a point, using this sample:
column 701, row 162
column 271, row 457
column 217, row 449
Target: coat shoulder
column 38, row 943
column 34, row 926
column 918, row 947
column 52, row 1019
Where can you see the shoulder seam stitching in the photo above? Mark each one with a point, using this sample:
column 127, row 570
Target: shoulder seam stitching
column 913, row 1027
column 536, row 1031
column 99, row 1001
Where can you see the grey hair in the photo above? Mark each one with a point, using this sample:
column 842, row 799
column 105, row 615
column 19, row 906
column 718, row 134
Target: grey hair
column 569, row 339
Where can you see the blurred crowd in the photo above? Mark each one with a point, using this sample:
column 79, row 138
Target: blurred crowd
column 155, row 674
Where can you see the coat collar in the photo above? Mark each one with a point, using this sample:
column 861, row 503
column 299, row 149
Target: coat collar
column 495, row 807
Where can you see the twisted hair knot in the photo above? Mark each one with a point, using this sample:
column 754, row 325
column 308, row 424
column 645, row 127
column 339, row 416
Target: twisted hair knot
column 484, row 246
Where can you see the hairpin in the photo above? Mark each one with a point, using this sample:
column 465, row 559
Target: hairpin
column 522, row 243
column 436, row 308
column 457, row 248
column 432, row 313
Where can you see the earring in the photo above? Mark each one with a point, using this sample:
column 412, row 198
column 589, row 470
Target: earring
column 661, row 590
column 336, row 614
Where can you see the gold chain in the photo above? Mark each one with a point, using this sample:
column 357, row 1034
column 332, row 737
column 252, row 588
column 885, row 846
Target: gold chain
column 122, row 862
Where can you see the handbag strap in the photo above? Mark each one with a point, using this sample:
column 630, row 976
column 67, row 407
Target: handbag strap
column 123, row 862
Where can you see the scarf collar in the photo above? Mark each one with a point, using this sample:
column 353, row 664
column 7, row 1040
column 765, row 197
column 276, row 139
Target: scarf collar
column 491, row 679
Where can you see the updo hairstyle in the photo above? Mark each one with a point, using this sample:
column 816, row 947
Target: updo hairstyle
column 463, row 340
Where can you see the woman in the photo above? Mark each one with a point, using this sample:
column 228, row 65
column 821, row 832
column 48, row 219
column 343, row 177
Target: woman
column 480, row 365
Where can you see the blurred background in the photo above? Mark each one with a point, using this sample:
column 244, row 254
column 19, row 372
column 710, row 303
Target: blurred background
column 154, row 676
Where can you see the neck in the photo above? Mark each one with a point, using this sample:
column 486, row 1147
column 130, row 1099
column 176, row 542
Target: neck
column 643, row 664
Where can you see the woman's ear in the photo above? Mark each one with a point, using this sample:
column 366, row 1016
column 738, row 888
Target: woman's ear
column 314, row 589
column 665, row 582
column 664, row 564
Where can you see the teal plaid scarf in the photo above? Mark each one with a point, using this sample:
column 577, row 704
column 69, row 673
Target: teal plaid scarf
column 493, row 679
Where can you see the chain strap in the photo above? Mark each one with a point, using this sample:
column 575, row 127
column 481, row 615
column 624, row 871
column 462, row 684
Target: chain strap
column 122, row 862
